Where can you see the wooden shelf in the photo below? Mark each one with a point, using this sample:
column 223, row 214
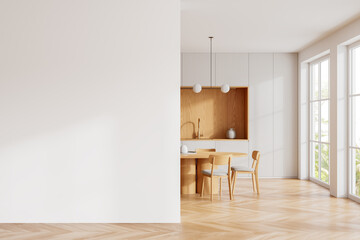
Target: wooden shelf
column 217, row 112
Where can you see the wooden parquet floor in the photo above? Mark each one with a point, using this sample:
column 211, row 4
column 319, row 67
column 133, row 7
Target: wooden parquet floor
column 286, row 209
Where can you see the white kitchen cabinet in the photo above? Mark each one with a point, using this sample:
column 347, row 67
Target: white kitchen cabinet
column 261, row 110
column 285, row 118
column 232, row 69
column 195, row 144
column 196, row 69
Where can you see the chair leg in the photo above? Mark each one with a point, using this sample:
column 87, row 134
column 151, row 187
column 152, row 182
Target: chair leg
column 202, row 187
column 220, row 187
column 257, row 182
column 253, row 181
column 230, row 190
column 233, row 182
column 211, row 188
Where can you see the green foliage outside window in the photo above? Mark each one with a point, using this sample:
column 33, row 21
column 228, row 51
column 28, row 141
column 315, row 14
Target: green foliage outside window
column 357, row 167
column 325, row 165
column 324, row 162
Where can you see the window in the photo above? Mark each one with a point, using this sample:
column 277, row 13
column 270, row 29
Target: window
column 319, row 120
column 354, row 118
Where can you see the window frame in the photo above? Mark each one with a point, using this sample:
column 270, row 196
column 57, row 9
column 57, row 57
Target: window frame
column 350, row 147
column 310, row 119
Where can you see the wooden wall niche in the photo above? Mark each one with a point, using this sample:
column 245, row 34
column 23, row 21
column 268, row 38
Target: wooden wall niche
column 217, row 112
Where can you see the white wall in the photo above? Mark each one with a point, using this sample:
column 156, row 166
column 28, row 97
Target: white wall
column 89, row 111
column 334, row 45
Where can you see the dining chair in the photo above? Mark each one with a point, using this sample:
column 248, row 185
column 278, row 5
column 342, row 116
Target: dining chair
column 202, row 164
column 217, row 160
column 247, row 170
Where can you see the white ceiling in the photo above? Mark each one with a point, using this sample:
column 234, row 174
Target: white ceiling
column 261, row 25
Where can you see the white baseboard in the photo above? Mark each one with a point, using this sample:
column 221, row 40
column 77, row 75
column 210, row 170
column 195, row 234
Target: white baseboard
column 320, row 183
column 354, row 198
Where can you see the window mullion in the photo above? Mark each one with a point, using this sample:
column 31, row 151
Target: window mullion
column 319, row 100
column 352, row 182
column 350, row 160
column 319, row 109
column 351, row 100
column 320, row 142
column 355, row 148
column 310, row 130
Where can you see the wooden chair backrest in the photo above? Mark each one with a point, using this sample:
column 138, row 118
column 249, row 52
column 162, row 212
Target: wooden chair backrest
column 199, row 150
column 256, row 158
column 216, row 160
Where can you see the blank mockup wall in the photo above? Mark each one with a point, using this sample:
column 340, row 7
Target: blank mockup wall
column 89, row 111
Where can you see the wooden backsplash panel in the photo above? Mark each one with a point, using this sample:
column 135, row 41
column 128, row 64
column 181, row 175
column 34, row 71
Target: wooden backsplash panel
column 217, row 111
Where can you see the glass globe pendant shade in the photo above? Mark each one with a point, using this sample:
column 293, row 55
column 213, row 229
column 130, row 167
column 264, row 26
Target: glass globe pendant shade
column 197, row 88
column 225, row 88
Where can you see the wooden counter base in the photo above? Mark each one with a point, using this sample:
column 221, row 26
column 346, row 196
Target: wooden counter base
column 188, row 176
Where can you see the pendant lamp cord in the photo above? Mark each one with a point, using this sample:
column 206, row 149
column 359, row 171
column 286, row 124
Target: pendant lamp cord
column 211, row 38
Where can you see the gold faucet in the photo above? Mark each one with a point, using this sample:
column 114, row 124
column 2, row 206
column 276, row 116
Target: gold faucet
column 199, row 135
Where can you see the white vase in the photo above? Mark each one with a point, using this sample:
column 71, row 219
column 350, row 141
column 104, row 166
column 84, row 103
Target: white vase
column 184, row 149
column 231, row 133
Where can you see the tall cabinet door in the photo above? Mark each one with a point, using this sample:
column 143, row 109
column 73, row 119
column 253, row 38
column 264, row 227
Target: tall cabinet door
column 261, row 110
column 196, row 69
column 285, row 118
column 232, row 69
